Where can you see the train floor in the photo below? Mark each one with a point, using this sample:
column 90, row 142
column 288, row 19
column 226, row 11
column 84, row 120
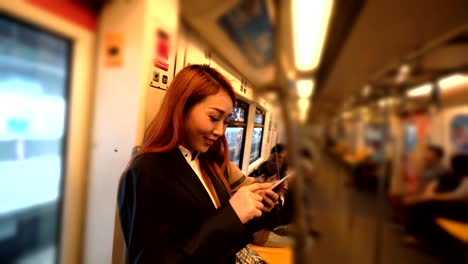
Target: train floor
column 347, row 219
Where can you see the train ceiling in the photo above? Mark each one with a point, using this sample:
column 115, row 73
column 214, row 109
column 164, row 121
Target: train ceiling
column 210, row 20
column 367, row 43
column 205, row 18
column 429, row 36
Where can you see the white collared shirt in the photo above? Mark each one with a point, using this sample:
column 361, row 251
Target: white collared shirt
column 195, row 164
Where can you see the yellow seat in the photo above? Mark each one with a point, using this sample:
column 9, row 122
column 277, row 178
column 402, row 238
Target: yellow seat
column 275, row 255
column 456, row 229
column 356, row 157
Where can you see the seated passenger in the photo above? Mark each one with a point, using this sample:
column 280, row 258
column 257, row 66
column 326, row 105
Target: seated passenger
column 286, row 208
column 433, row 167
column 377, row 154
column 263, row 237
column 448, row 198
column 432, row 172
column 276, row 163
column 365, row 175
column 275, row 168
column 267, row 237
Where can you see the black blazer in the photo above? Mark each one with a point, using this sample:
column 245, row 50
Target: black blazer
column 167, row 216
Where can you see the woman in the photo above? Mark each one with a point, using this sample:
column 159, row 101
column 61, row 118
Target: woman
column 174, row 202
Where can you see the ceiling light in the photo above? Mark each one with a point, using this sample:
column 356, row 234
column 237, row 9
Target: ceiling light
column 310, row 22
column 366, row 90
column 405, row 69
column 403, row 73
column 424, row 89
column 304, row 88
column 303, row 104
column 452, row 81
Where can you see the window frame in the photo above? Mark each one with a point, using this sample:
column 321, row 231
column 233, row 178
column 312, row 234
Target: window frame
column 243, row 124
column 258, row 111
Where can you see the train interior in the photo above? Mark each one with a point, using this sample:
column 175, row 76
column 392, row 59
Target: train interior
column 366, row 88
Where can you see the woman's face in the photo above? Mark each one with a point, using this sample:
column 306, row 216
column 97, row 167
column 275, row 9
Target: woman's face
column 207, row 120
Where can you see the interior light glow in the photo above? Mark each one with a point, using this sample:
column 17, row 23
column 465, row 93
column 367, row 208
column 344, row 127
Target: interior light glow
column 424, row 89
column 310, row 23
column 389, row 101
column 366, row 90
column 304, row 88
column 403, row 73
column 452, row 81
column 303, row 105
column 382, row 102
column 346, row 115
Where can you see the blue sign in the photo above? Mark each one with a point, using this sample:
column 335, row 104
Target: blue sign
column 249, row 27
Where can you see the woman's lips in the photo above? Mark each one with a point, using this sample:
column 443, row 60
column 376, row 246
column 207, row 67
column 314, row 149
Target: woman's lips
column 209, row 142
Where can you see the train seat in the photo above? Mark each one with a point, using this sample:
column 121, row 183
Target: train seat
column 456, row 229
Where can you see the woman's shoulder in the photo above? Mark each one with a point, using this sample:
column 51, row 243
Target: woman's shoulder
column 147, row 170
column 150, row 165
column 147, row 159
column 153, row 159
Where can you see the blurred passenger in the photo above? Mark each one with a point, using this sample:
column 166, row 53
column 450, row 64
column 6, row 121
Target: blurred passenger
column 329, row 140
column 446, row 198
column 264, row 237
column 433, row 167
column 377, row 154
column 273, row 169
column 430, row 176
column 267, row 237
column 366, row 173
column 174, row 201
column 275, row 165
column 306, row 164
column 308, row 169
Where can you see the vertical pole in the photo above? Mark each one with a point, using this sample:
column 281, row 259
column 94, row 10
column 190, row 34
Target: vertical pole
column 291, row 130
column 381, row 187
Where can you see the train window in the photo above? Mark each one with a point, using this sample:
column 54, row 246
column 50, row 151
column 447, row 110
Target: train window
column 235, row 133
column 33, row 113
column 255, row 151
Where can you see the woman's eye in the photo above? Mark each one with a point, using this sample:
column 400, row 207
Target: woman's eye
column 214, row 119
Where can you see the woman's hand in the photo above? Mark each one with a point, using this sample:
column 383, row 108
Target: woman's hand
column 247, row 203
column 270, row 199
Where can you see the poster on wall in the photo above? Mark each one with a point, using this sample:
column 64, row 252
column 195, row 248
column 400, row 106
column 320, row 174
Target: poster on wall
column 163, row 59
column 416, row 136
column 459, row 134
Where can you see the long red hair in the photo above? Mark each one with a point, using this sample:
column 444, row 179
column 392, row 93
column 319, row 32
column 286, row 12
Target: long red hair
column 166, row 131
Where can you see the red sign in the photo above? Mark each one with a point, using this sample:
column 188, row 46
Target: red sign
column 162, row 49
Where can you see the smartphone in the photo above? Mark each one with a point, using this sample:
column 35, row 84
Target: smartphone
column 276, row 186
